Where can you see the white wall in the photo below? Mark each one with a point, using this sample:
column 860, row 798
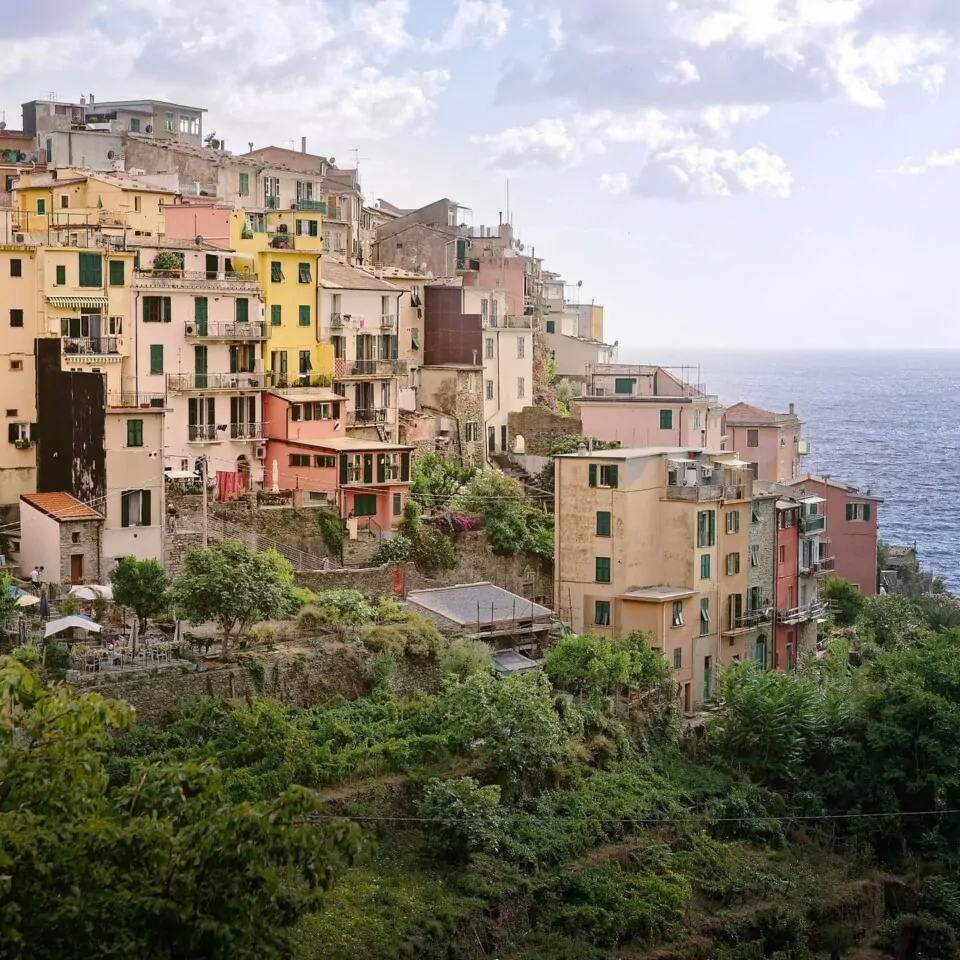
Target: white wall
column 39, row 542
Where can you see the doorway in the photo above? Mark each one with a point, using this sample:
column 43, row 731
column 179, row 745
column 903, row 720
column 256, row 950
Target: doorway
column 76, row 568
column 491, row 440
column 213, row 266
column 503, row 438
column 707, row 678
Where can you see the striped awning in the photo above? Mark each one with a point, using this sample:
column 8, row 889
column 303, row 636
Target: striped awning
column 80, row 303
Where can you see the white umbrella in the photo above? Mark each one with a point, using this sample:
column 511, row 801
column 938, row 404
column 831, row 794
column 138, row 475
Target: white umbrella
column 27, row 600
column 52, row 627
column 91, row 591
column 134, row 635
column 276, row 477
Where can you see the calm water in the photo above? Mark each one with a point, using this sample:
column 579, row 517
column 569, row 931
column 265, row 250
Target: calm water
column 881, row 420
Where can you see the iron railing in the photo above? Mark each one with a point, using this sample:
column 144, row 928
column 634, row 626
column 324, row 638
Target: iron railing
column 360, row 417
column 182, row 382
column 136, row 399
column 317, row 206
column 247, row 431
column 224, row 330
column 91, row 346
column 373, row 368
column 704, row 492
column 203, row 433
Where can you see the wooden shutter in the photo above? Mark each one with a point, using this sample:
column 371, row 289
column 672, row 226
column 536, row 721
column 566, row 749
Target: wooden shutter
column 234, row 359
column 156, row 358
column 866, row 511
column 336, row 411
column 368, row 468
column 614, row 474
column 593, row 474
column 405, row 466
column 91, row 270
column 381, row 468
column 34, row 431
column 242, row 310
column 125, row 509
column 849, row 511
column 116, row 273
column 167, row 315
column 343, row 468
column 12, row 433
column 200, row 309
column 275, row 315
column 145, row 508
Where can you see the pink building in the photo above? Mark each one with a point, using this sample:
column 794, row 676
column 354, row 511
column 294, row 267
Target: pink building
column 770, row 441
column 851, row 523
column 308, row 450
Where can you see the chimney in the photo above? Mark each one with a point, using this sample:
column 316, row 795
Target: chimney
column 90, row 100
column 791, row 409
column 223, row 145
column 250, row 145
column 501, row 218
column 303, row 144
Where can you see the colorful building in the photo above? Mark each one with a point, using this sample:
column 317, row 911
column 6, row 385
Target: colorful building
column 772, row 442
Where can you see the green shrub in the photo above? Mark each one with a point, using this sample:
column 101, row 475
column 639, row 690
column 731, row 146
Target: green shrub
column 68, row 605
column 381, row 671
column 28, row 656
column 463, row 658
column 415, row 637
column 467, row 817
column 331, row 529
column 56, row 656
column 395, row 550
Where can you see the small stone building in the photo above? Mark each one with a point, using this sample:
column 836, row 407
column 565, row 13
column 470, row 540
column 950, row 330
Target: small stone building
column 61, row 534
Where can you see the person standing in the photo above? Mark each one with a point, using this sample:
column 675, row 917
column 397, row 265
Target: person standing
column 35, row 579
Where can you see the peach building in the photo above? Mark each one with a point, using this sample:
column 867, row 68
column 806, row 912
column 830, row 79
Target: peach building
column 770, row 441
column 657, row 539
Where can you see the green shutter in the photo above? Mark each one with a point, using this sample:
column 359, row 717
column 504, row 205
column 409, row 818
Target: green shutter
column 276, row 271
column 156, row 358
column 621, row 384
column 234, row 359
column 336, row 416
column 666, row 419
column 593, row 474
column 244, row 181
column 712, row 527
column 134, row 433
column 200, row 309
column 461, row 254
column 242, row 310
column 603, row 570
column 343, row 469
column 551, row 326
column 404, row 466
column 48, row 151
column 613, row 473
column 167, row 310
column 705, row 566
column 603, row 523
column 91, row 270
column 677, row 658
column 866, row 511
column 116, row 273
column 381, row 468
column 41, row 207
column 304, row 273
column 145, row 508
column 368, row 468
column 61, row 276
column 397, row 504
column 849, row 511
column 134, row 124
column 275, row 315
column 304, row 315
column 125, row 508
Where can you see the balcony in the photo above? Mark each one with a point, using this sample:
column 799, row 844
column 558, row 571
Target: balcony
column 388, row 321
column 135, row 400
column 223, row 280
column 823, row 566
column 802, row 614
column 203, row 433
column 187, row 382
column 702, row 493
column 361, row 418
column 224, row 330
column 91, row 346
column 517, row 322
column 333, row 211
column 372, row 368
column 814, row 524
column 247, row 431
column 314, row 206
column 336, row 319
column 746, row 622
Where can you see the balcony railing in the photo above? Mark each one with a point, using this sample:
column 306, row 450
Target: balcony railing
column 195, row 276
column 317, row 206
column 203, row 433
column 815, row 524
column 520, row 322
column 246, row 431
column 704, row 492
column 138, row 400
column 357, row 418
column 388, row 321
column 333, row 211
column 271, row 203
column 803, row 613
column 375, row 368
column 91, row 346
column 183, row 382
column 336, row 319
column 819, row 566
column 224, row 330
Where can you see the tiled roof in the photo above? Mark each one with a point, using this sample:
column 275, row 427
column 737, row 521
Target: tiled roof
column 744, row 411
column 60, row 506
column 340, row 276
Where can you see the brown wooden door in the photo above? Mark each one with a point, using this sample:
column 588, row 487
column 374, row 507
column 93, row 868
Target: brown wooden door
column 76, row 568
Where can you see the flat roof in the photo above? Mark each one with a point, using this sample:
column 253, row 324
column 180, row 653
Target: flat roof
column 306, row 393
column 349, row 444
column 481, row 603
column 658, row 594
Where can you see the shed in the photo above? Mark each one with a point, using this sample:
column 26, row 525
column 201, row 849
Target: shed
column 63, row 535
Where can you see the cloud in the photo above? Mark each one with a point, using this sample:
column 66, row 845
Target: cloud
column 549, row 142
column 681, row 72
column 693, row 172
column 915, row 168
column 322, row 69
column 485, row 20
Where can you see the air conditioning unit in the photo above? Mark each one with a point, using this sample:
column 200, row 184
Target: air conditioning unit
column 18, row 237
column 190, row 329
column 260, row 453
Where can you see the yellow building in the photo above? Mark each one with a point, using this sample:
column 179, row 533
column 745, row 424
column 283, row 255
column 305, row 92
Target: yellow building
column 657, row 539
column 285, row 248
column 69, row 201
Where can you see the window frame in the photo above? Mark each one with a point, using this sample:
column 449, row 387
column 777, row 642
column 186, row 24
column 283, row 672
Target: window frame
column 676, row 615
column 134, row 432
column 601, row 613
column 603, row 565
column 666, row 419
column 604, row 524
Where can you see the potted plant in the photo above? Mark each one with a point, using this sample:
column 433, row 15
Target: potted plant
column 22, row 444
column 168, row 263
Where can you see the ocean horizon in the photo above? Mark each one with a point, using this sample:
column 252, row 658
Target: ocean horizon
column 880, row 419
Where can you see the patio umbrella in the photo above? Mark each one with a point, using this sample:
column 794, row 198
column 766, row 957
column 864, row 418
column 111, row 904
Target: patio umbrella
column 276, row 477
column 134, row 635
column 27, row 600
column 92, row 591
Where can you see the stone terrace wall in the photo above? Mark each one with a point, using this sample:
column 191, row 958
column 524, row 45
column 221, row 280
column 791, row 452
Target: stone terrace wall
column 540, row 429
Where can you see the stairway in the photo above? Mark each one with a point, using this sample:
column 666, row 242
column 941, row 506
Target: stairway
column 299, row 560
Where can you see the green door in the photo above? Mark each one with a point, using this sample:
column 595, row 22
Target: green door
column 200, row 367
column 707, row 678
column 200, row 315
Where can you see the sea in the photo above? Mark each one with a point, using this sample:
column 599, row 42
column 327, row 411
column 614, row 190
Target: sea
column 884, row 421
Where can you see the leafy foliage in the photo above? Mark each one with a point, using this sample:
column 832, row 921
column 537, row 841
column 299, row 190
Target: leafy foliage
column 331, row 529
column 463, row 658
column 234, row 586
column 846, row 599
column 415, row 637
column 468, row 818
column 396, row 550
column 8, row 602
column 437, row 478
column 141, row 584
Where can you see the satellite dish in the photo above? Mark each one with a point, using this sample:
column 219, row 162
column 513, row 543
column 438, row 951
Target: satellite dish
column 3, row 124
column 198, row 241
column 149, row 128
column 111, row 155
column 333, row 160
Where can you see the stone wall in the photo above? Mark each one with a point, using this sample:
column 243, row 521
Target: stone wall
column 80, row 538
column 540, row 429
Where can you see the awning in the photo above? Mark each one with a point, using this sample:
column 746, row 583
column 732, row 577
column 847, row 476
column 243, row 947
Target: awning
column 67, row 623
column 813, row 500
column 80, row 303
column 786, row 505
column 181, row 475
column 736, row 464
column 682, row 461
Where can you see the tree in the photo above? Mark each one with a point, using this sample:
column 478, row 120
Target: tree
column 846, row 600
column 8, row 602
column 234, row 586
column 464, row 657
column 163, row 867
column 468, row 818
column 141, row 584
column 436, row 478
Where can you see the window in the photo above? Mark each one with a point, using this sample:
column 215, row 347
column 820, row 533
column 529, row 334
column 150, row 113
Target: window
column 488, row 351
column 41, row 204
column 754, row 555
column 489, row 389
column 603, row 523
column 61, row 276
column 705, row 566
column 241, row 311
column 134, row 124
column 471, row 431
column 134, row 433
column 783, row 554
column 156, row 358
column 601, row 613
column 303, row 273
column 303, row 318
column 521, row 387
column 733, row 521
column 307, row 228
column 168, row 122
column 704, row 616
column 733, row 564
column 551, row 326
column 275, row 315
column 91, row 270
column 666, row 419
column 677, row 658
column 677, row 620
column 603, row 476
column 696, row 419
column 397, row 504
column 753, row 600
column 16, row 318
column 706, row 528
column 306, row 365
column 299, row 459
column 156, row 309
column 521, row 347
column 244, row 186
column 16, row 268
column 135, row 508
column 136, row 204
column 493, row 313
column 16, row 364
column 753, row 438
column 603, row 570
column 624, row 385
column 276, row 271
column 64, row 201
column 116, row 273
column 17, row 432
column 415, row 338
column 755, row 512
column 858, row 511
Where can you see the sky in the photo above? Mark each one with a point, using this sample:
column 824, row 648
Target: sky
column 717, row 173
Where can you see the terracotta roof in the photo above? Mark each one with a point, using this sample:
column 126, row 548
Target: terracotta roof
column 339, row 276
column 60, row 506
column 746, row 412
